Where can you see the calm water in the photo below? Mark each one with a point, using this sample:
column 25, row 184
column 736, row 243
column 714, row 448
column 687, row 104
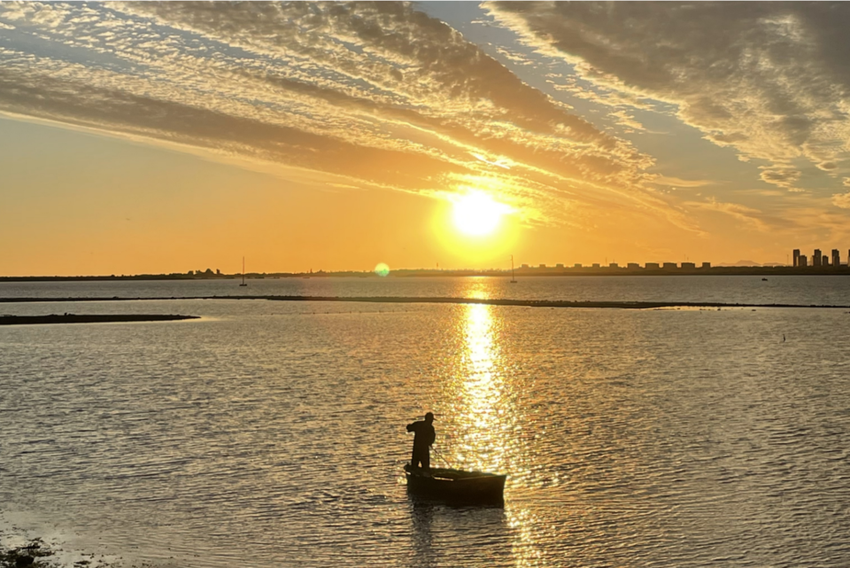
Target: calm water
column 272, row 434
column 807, row 290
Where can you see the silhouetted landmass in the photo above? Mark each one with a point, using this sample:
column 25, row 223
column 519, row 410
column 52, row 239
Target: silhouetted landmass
column 89, row 318
column 434, row 300
column 523, row 272
column 111, row 277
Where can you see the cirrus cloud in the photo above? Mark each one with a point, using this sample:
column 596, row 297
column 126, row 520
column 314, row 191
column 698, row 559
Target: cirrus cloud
column 378, row 93
column 769, row 79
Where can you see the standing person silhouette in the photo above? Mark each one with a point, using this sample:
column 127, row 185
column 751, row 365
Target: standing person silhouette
column 424, row 436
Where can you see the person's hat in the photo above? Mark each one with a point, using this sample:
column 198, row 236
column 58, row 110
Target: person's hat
column 429, row 415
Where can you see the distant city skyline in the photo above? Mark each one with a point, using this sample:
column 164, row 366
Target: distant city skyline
column 819, row 258
column 151, row 137
column 801, row 265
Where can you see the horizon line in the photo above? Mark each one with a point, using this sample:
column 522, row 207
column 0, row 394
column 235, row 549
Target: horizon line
column 526, row 271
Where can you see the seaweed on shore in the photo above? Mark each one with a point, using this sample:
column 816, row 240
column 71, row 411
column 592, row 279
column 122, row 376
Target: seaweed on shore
column 37, row 554
column 33, row 554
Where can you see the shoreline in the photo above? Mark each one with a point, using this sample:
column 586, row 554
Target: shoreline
column 636, row 305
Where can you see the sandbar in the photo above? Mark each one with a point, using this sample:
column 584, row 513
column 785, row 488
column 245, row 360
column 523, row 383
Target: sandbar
column 89, row 318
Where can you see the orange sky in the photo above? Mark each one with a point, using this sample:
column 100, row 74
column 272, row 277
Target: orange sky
column 148, row 137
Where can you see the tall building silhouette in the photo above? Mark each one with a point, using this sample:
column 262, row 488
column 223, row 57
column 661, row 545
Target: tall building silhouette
column 796, row 258
column 836, row 258
column 816, row 258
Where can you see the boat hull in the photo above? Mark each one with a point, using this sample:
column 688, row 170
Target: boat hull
column 456, row 486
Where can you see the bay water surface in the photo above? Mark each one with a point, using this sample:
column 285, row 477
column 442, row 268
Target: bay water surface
column 272, row 433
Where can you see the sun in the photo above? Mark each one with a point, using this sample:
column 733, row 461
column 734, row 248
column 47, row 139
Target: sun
column 476, row 214
column 474, row 227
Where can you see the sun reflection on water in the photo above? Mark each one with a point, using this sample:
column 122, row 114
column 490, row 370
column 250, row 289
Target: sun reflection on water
column 481, row 394
column 479, row 288
column 486, row 416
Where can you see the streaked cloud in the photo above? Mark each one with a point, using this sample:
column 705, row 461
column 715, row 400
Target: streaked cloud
column 769, row 79
column 578, row 124
column 679, row 182
column 747, row 215
column 623, row 118
column 374, row 93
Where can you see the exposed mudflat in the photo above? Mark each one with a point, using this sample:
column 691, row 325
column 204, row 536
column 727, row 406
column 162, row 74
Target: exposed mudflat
column 89, row 318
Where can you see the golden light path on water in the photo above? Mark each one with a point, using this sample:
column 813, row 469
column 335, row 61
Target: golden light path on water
column 486, row 420
column 482, row 394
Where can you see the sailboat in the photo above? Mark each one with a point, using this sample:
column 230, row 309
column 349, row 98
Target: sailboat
column 243, row 272
column 513, row 280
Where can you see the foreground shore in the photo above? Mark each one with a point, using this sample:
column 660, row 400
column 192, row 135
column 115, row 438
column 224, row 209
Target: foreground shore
column 36, row 553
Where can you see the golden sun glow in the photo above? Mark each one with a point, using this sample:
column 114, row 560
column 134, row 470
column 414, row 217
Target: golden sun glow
column 474, row 227
column 477, row 214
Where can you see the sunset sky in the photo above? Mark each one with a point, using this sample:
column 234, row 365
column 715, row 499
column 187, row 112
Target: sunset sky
column 167, row 137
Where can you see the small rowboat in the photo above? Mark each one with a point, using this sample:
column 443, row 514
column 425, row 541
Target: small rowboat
column 456, row 486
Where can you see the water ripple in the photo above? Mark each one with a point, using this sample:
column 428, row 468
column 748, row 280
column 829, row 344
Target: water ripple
column 274, row 435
